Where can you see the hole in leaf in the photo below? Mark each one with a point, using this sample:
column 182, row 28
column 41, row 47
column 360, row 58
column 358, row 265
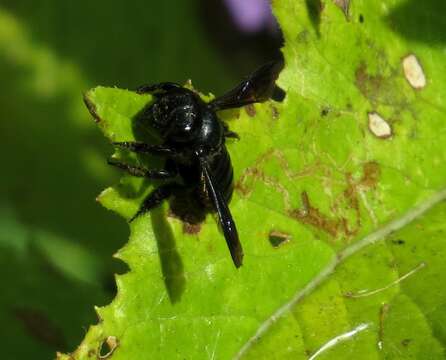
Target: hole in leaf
column 325, row 110
column 361, row 18
column 278, row 238
column 398, row 242
column 108, row 346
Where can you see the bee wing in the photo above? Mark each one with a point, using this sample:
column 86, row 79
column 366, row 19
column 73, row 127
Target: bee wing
column 224, row 215
column 258, row 87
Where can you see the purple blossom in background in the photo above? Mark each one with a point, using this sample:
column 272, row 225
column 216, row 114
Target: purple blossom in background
column 251, row 15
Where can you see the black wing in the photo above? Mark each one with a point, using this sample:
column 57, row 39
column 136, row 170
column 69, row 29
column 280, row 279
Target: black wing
column 224, row 215
column 258, row 87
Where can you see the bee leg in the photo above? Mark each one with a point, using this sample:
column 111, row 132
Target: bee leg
column 157, row 88
column 230, row 134
column 155, row 198
column 140, row 147
column 142, row 172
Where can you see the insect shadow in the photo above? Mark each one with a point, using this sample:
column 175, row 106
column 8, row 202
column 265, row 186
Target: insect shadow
column 171, row 264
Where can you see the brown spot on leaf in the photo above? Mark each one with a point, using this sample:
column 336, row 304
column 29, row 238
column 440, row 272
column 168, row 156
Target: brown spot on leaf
column 372, row 172
column 337, row 222
column 406, row 342
column 369, row 85
column 350, row 193
column 344, row 5
column 370, row 178
column 37, row 325
column 241, row 185
column 274, row 112
column 191, row 229
column 91, row 108
column 325, row 110
column 382, row 315
column 278, row 238
column 398, row 242
column 250, row 110
column 312, row 216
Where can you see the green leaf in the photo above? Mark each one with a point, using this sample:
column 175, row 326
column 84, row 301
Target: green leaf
column 337, row 199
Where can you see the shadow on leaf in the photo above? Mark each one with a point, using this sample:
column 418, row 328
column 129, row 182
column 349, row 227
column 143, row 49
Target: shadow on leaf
column 420, row 21
column 314, row 8
column 171, row 263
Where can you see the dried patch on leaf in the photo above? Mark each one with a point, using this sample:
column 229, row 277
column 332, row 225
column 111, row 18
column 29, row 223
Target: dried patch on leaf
column 372, row 172
column 378, row 126
column 382, row 87
column 413, row 71
column 369, row 180
column 338, row 222
column 369, row 85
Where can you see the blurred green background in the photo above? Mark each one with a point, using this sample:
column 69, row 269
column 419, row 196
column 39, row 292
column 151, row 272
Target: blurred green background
column 56, row 242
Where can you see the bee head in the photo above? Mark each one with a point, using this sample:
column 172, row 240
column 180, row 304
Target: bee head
column 175, row 116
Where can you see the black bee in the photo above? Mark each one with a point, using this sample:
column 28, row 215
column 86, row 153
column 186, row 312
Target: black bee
column 193, row 144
